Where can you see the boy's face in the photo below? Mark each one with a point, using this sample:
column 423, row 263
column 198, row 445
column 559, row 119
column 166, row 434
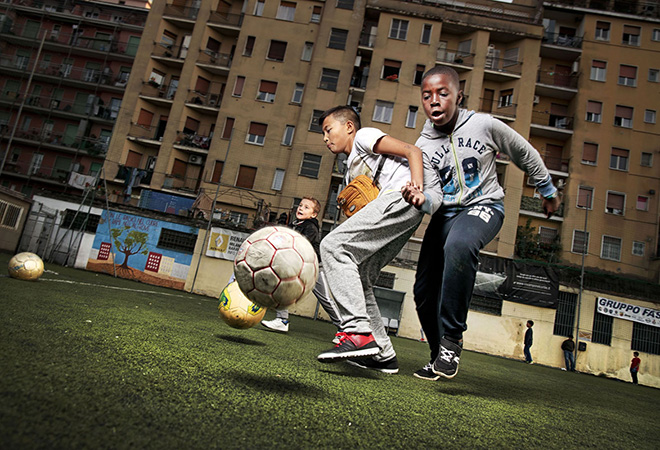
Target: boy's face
column 338, row 136
column 305, row 210
column 440, row 98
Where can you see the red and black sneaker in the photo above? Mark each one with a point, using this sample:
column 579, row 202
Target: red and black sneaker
column 351, row 345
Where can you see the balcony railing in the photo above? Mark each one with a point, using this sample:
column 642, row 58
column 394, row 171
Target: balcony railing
column 501, row 107
column 214, row 58
column 210, row 100
column 125, row 172
column 557, row 79
column 562, row 40
column 556, row 163
column 65, row 107
column 169, row 51
column 90, row 144
column 452, row 56
column 552, row 120
column 367, row 39
column 235, row 20
column 183, row 12
column 140, row 131
column 153, row 89
column 536, row 205
column 503, row 65
column 61, row 7
column 194, row 140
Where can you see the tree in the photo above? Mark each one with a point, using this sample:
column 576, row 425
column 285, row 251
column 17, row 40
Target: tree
column 529, row 245
column 135, row 242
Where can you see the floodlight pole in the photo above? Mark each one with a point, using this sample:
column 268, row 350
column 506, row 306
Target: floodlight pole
column 584, row 252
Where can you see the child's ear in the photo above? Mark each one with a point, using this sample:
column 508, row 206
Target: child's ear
column 459, row 97
column 350, row 126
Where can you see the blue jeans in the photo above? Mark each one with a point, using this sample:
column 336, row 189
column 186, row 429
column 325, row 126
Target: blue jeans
column 528, row 354
column 569, row 359
column 447, row 268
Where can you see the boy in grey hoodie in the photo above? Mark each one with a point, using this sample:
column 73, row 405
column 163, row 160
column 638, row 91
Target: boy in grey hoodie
column 462, row 146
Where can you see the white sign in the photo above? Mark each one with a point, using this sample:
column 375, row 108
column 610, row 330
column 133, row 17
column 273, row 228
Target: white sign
column 627, row 311
column 224, row 243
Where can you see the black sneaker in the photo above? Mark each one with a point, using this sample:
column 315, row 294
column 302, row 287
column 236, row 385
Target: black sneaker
column 388, row 366
column 351, row 345
column 426, row 373
column 446, row 364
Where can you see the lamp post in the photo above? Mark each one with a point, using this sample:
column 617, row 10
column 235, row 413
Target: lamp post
column 585, row 245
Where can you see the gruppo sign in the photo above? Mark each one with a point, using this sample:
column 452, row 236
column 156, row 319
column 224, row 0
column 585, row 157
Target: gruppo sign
column 627, row 311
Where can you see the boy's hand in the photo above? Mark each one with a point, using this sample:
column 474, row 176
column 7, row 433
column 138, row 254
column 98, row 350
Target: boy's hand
column 412, row 194
column 551, row 205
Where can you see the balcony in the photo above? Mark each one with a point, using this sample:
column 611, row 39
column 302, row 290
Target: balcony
column 193, row 143
column 460, row 61
column 556, row 85
column 146, row 135
column 502, row 109
column 68, row 11
column 225, row 22
column 125, row 172
column 561, row 46
column 182, row 16
column 204, row 103
column 93, row 110
column 158, row 94
column 214, row 62
column 551, row 126
column 170, row 55
column 533, row 206
column 59, row 141
column 501, row 69
column 54, row 176
column 181, row 185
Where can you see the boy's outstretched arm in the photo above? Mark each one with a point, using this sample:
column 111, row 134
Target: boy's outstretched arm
column 388, row 145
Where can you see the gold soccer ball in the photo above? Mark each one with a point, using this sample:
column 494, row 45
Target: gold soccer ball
column 276, row 266
column 237, row 310
column 26, row 266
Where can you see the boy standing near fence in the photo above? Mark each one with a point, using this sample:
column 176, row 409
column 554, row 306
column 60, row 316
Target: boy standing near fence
column 355, row 252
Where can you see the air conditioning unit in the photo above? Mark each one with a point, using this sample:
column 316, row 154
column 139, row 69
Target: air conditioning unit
column 537, row 99
column 195, row 159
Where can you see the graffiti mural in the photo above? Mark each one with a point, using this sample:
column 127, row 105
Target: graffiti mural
column 144, row 249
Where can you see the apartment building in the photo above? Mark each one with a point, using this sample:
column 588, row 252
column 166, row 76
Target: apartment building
column 227, row 93
column 65, row 65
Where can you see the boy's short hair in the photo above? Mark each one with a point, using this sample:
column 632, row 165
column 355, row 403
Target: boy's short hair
column 636, row 353
column 531, row 323
column 343, row 114
column 443, row 70
column 315, row 202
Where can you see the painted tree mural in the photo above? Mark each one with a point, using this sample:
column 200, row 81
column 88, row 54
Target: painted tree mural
column 135, row 242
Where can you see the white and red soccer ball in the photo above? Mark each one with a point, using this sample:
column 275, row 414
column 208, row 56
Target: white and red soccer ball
column 276, row 266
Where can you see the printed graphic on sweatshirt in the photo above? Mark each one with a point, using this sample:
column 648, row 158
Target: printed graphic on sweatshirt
column 483, row 212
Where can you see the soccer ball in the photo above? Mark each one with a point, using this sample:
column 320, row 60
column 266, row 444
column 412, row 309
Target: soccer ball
column 276, row 267
column 237, row 310
column 26, row 266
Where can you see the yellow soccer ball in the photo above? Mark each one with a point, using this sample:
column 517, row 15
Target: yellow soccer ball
column 237, row 310
column 26, row 266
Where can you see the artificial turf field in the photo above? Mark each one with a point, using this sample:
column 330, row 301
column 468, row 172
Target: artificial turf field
column 91, row 361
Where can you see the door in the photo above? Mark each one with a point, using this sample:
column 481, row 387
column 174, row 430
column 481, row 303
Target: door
column 562, row 75
column 487, row 100
column 132, row 46
column 70, row 134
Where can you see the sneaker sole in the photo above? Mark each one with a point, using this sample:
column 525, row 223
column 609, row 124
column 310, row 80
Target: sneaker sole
column 444, row 375
column 390, row 371
column 332, row 357
column 435, row 378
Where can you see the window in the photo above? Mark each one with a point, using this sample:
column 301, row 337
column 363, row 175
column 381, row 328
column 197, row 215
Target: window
column 298, row 93
column 411, row 118
column 601, row 332
column 383, row 111
column 585, row 197
column 589, row 153
column 338, row 39
column 238, row 86
column 598, row 70
column 602, row 31
column 256, row 133
column 310, row 166
column 10, row 215
column 399, row 29
column 419, row 73
column 627, row 75
column 259, row 8
column 645, row 338
column 316, row 15
column 647, row 159
column 191, row 125
column 229, row 127
column 623, row 116
column 249, row 46
column 276, row 51
column 308, row 48
column 426, row 34
column 547, row 235
column 655, row 34
column 611, row 248
column 217, row 171
column 75, row 220
column 565, row 315
column 267, row 91
column 594, row 111
column 638, row 248
column 642, row 203
column 391, row 69
column 580, row 242
column 177, row 240
column 619, row 159
column 649, row 116
column 506, row 98
column 615, row 203
column 278, row 179
column 286, row 11
column 329, row 79
column 654, row 75
column 314, row 124
column 289, row 131
column 168, row 39
column 631, row 35
column 345, row 4
column 246, row 176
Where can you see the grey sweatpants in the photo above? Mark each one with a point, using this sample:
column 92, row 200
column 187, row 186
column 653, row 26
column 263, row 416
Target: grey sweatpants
column 353, row 255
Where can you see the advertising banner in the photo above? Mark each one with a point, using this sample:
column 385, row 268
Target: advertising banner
column 224, row 243
column 627, row 311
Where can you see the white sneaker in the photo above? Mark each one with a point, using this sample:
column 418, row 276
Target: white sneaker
column 276, row 324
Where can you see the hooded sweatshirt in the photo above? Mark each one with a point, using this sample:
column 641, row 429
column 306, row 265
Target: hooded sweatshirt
column 465, row 160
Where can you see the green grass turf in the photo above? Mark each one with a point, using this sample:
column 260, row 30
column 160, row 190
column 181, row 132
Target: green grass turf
column 90, row 361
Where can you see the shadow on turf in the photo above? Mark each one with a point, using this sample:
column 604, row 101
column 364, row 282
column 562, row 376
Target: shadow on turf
column 276, row 384
column 239, row 340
